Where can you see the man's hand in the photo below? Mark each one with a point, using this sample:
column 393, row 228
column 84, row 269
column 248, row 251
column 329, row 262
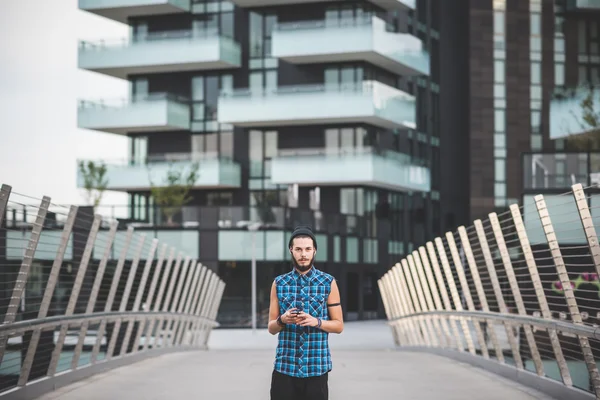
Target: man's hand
column 290, row 316
column 305, row 319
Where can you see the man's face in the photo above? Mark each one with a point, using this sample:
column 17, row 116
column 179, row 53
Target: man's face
column 303, row 253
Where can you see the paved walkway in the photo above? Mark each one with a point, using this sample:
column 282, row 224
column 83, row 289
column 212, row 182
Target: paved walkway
column 239, row 365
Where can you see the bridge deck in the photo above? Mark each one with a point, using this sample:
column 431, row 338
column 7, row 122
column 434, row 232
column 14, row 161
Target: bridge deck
column 239, row 365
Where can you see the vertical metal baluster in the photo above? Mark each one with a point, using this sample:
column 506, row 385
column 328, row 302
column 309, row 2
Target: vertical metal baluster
column 159, row 298
column 442, row 338
column 144, row 324
column 214, row 308
column 94, row 294
column 414, row 284
column 125, row 298
column 388, row 313
column 415, row 324
column 138, row 296
column 111, row 295
column 466, row 245
column 167, row 304
column 204, row 319
column 85, row 259
column 193, row 274
column 399, row 292
column 588, row 224
column 454, row 292
column 539, row 291
column 186, row 273
column 23, row 275
column 563, row 275
column 198, row 306
column 191, row 298
column 435, row 293
column 462, row 278
column 516, row 291
column 48, row 293
column 4, row 195
column 394, row 309
column 491, row 268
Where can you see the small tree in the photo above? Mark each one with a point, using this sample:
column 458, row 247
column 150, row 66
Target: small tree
column 588, row 119
column 172, row 195
column 94, row 181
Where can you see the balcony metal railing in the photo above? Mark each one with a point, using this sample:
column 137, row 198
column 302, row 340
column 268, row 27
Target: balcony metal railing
column 486, row 294
column 68, row 316
column 192, row 34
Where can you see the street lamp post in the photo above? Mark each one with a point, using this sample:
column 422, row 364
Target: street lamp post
column 252, row 227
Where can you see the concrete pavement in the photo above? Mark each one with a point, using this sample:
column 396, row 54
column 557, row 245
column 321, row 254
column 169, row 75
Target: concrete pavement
column 239, row 366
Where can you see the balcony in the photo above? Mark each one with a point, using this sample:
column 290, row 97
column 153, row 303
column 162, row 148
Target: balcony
column 159, row 52
column 156, row 112
column 566, row 112
column 214, row 172
column 559, row 171
column 583, row 5
column 354, row 166
column 361, row 39
column 391, row 5
column 369, row 102
column 123, row 10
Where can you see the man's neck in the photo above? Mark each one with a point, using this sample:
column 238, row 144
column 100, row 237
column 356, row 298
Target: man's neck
column 303, row 272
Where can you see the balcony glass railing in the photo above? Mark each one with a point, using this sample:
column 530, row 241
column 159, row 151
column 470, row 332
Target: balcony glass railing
column 336, row 40
column 367, row 101
column 560, row 170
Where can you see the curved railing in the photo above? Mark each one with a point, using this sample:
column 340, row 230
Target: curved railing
column 69, row 310
column 517, row 293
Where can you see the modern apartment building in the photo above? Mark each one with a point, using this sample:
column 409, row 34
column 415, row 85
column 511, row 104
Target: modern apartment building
column 323, row 113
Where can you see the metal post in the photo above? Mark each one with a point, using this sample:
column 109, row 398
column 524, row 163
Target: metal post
column 196, row 306
column 466, row 245
column 462, row 278
column 87, row 253
column 418, row 300
column 441, row 284
column 94, row 294
column 253, row 281
column 415, row 326
column 516, row 291
column 587, row 223
column 111, row 295
column 396, row 307
column 162, row 324
column 125, row 298
column 425, row 267
column 563, row 275
column 205, row 324
column 4, row 195
column 21, row 281
column 491, row 268
column 145, row 323
column 48, row 293
column 181, row 326
column 454, row 292
column 386, row 307
column 179, row 300
column 541, row 296
column 138, row 296
column 214, row 308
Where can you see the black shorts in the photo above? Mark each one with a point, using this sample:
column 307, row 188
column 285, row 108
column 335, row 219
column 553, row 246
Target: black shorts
column 285, row 387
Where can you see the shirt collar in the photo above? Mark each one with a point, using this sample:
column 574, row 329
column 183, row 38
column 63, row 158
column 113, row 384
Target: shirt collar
column 308, row 276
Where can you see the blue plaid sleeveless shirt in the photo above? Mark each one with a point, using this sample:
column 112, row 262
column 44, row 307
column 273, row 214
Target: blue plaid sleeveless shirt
column 303, row 351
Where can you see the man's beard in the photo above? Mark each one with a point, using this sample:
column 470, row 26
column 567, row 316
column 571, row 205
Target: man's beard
column 302, row 268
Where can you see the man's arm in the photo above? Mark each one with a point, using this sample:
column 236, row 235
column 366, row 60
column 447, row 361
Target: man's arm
column 287, row 318
column 335, row 324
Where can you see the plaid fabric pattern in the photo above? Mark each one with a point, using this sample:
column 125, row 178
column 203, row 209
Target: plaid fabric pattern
column 303, row 351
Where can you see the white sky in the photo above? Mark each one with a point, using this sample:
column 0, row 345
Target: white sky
column 39, row 87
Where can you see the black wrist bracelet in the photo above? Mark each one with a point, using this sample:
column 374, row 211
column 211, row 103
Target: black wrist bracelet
column 280, row 322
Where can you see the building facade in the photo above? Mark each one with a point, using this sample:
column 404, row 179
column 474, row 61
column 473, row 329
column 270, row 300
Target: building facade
column 296, row 112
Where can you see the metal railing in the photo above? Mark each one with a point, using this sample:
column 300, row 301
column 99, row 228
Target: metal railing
column 493, row 295
column 78, row 311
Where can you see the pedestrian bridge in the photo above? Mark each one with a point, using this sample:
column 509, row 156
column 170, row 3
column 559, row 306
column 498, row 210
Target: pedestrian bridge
column 505, row 308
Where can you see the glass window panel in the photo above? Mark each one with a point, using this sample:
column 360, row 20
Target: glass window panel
column 198, row 112
column 332, row 76
column 270, row 144
column 535, row 44
column 347, row 138
column 536, row 24
column 347, row 201
column 498, row 22
column 256, row 81
column 536, row 142
column 500, row 91
column 582, row 37
column 500, row 170
column 536, row 120
column 212, row 97
column 211, row 143
column 227, row 83
column 536, row 92
column 198, row 88
column 500, row 189
column 271, row 81
column 332, row 139
column 226, row 144
column 499, row 73
column 347, row 75
column 559, row 45
column 256, row 35
column 583, row 79
column 499, row 120
column 198, row 144
column 500, row 140
column 559, row 74
column 536, row 72
column 256, row 146
column 361, row 138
